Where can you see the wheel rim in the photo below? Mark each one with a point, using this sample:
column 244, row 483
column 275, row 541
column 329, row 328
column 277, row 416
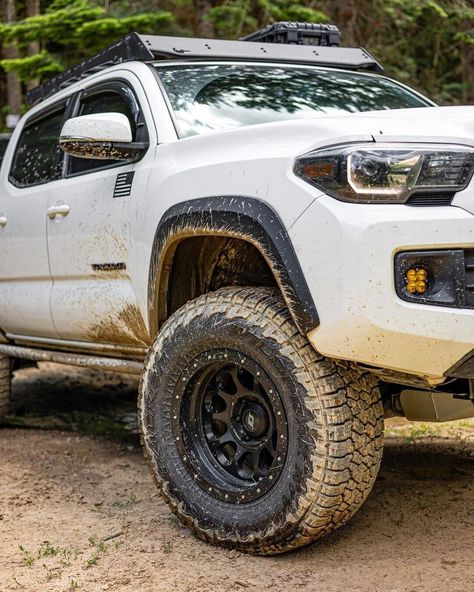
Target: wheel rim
column 230, row 426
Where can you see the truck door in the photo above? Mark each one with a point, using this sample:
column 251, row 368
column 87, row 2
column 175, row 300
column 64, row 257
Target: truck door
column 32, row 168
column 94, row 232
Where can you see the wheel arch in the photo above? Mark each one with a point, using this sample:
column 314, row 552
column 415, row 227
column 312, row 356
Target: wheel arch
column 239, row 218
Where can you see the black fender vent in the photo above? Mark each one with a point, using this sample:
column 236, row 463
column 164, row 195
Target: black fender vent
column 123, row 184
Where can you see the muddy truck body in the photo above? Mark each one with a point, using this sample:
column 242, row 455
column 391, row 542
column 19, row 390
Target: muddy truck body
column 277, row 237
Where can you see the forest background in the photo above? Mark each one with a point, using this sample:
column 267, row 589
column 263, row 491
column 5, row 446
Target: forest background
column 428, row 44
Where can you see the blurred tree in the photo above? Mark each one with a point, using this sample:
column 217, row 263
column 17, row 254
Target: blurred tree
column 42, row 45
column 10, row 51
column 32, row 9
column 429, row 44
column 70, row 30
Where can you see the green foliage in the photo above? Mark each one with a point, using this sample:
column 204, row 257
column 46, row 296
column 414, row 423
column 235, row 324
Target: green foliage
column 231, row 18
column 93, row 33
column 57, row 25
column 296, row 10
column 426, row 43
column 420, row 42
column 39, row 66
column 234, row 18
column 26, row 555
column 68, row 31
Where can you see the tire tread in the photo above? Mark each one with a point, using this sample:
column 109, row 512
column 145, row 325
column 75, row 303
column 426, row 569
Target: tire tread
column 5, row 386
column 348, row 456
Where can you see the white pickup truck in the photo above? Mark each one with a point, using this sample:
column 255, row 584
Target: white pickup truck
column 276, row 236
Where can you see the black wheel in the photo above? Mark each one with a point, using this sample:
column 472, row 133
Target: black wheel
column 232, row 425
column 5, row 386
column 256, row 441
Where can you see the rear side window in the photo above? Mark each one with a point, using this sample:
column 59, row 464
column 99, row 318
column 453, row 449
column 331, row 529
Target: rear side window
column 3, row 148
column 104, row 102
column 38, row 157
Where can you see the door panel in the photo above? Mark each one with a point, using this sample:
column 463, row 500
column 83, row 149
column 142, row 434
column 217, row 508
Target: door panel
column 93, row 297
column 25, row 278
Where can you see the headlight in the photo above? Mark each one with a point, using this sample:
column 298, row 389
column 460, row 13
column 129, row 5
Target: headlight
column 384, row 173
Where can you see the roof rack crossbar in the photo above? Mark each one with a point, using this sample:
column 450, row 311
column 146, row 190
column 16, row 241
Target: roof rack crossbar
column 148, row 48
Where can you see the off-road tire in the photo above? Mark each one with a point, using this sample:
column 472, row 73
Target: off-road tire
column 5, row 386
column 334, row 414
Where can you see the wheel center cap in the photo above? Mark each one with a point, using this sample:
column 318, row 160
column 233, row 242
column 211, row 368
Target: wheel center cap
column 254, row 421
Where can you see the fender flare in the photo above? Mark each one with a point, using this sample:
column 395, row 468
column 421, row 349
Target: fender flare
column 241, row 217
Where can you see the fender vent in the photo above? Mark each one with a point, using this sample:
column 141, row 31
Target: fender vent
column 123, row 184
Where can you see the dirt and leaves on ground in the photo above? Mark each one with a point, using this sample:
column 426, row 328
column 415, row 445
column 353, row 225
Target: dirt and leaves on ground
column 79, row 510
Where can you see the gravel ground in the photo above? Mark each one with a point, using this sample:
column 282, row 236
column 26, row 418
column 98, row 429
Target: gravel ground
column 79, row 511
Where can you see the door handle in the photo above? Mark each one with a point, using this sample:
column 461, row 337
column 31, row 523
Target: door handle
column 58, row 210
column 3, row 221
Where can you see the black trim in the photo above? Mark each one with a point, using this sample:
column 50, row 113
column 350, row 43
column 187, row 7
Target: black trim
column 146, row 48
column 464, row 368
column 450, row 277
column 126, row 49
column 427, row 199
column 241, row 217
column 118, row 86
column 125, row 89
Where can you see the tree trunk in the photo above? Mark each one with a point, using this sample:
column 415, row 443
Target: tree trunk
column 344, row 14
column 32, row 9
column 203, row 26
column 467, row 70
column 14, row 94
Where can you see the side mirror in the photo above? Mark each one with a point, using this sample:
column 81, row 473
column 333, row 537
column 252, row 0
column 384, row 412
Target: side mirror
column 102, row 136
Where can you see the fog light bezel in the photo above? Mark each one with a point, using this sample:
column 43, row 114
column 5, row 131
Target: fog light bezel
column 446, row 276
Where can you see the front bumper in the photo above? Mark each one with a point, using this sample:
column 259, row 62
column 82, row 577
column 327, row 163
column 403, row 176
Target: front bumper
column 347, row 254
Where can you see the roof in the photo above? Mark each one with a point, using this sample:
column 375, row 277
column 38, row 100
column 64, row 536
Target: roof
column 149, row 48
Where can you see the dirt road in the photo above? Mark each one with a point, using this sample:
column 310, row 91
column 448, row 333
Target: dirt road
column 79, row 511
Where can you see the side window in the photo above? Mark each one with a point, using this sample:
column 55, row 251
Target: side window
column 38, row 157
column 3, row 147
column 103, row 102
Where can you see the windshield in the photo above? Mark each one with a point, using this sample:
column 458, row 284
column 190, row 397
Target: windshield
column 222, row 96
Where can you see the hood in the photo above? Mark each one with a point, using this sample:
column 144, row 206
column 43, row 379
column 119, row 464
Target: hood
column 294, row 137
column 433, row 124
column 422, row 124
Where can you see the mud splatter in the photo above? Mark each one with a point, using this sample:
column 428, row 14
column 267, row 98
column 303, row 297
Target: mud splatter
column 125, row 327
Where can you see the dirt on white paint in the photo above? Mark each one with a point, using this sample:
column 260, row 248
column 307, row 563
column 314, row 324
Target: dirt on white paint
column 79, row 511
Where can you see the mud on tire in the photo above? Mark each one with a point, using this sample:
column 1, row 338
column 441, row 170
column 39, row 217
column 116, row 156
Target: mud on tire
column 5, row 386
column 256, row 441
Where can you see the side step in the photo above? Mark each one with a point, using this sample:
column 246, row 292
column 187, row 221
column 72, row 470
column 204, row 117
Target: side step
column 86, row 361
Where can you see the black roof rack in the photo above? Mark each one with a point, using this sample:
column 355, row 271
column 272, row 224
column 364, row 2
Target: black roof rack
column 148, row 48
column 298, row 34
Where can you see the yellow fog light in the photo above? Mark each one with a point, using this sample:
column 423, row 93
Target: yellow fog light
column 417, row 280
